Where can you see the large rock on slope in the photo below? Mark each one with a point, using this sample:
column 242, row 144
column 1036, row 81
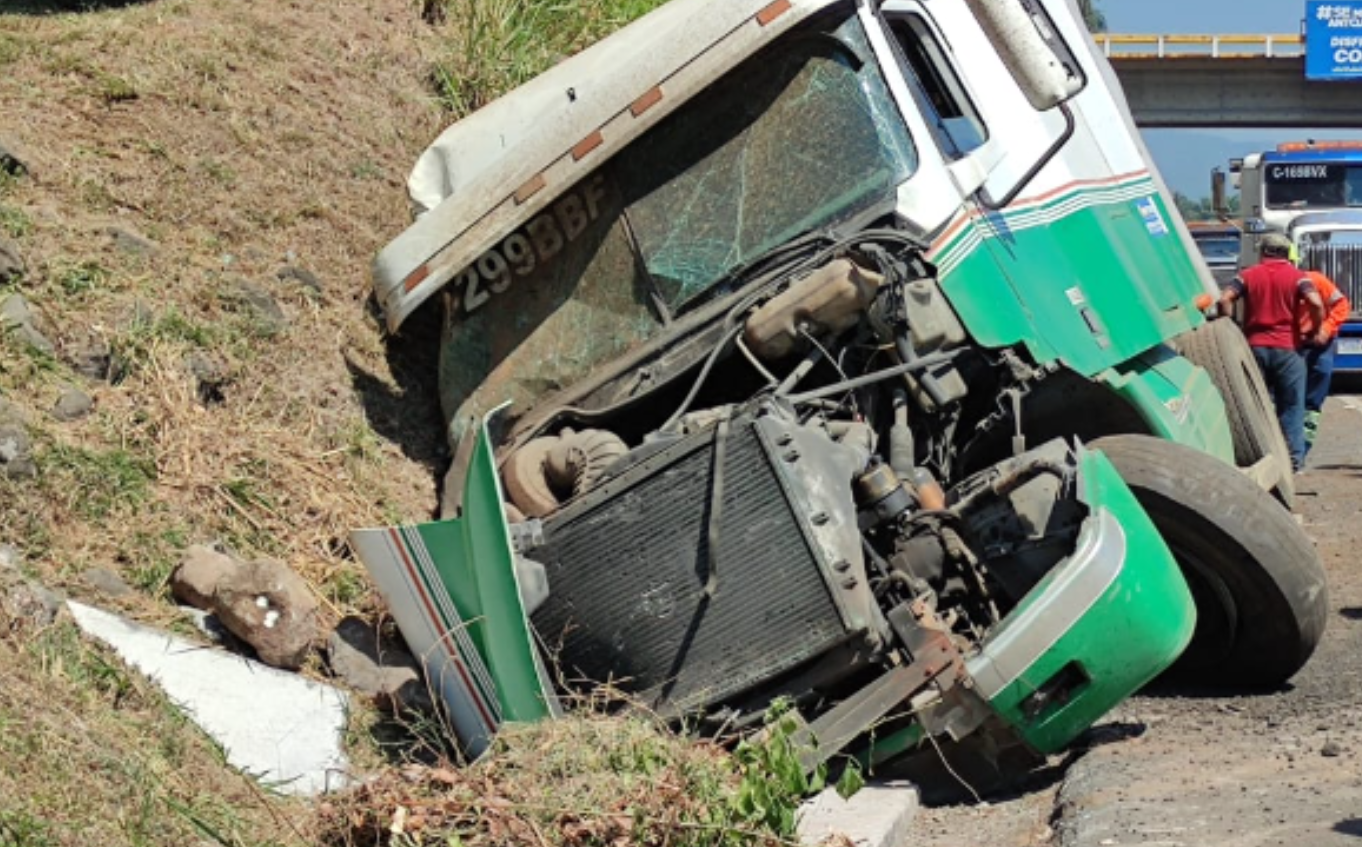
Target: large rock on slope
column 262, row 602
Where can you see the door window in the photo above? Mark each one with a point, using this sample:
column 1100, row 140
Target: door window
column 944, row 101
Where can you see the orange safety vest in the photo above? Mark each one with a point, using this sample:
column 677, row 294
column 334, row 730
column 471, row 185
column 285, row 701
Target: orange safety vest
column 1336, row 307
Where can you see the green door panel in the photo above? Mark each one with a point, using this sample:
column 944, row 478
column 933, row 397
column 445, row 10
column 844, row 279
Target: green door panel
column 1092, row 276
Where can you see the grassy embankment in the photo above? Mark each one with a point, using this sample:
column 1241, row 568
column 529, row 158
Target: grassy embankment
column 178, row 150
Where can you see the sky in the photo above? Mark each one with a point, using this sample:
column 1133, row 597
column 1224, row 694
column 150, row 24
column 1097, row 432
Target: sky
column 1185, row 157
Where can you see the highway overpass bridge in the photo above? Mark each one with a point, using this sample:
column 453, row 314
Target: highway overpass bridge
column 1227, row 81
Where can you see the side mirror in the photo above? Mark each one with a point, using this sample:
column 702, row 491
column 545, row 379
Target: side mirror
column 1218, row 194
column 1031, row 49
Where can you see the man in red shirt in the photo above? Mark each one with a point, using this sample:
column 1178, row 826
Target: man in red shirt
column 1319, row 342
column 1272, row 290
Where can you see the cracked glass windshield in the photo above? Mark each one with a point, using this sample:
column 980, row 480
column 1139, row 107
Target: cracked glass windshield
column 801, row 136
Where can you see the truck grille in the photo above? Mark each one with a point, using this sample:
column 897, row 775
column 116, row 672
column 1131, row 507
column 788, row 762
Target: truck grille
column 1342, row 263
column 627, row 567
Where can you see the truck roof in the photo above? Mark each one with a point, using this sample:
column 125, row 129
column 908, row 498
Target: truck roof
column 1321, row 155
column 498, row 168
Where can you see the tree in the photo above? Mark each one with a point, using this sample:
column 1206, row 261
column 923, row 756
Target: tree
column 1094, row 17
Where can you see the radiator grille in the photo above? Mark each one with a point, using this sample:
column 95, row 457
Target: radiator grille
column 1342, row 263
column 627, row 570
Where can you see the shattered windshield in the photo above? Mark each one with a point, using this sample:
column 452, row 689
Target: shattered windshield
column 801, row 136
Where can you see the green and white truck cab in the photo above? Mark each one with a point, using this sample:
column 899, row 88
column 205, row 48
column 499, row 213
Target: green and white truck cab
column 846, row 353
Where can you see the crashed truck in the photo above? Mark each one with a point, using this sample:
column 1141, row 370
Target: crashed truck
column 844, row 354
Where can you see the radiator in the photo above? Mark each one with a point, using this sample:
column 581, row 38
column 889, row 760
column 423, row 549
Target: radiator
column 627, row 567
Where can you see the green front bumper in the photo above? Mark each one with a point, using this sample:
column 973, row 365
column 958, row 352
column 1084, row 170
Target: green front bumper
column 1105, row 621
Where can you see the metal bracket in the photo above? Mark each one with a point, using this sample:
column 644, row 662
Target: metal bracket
column 832, row 732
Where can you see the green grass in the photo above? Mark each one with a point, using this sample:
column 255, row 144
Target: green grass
column 15, row 222
column 495, row 45
column 81, row 278
column 100, row 737
column 96, row 485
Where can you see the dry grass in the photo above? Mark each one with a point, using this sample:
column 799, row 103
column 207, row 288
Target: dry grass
column 624, row 782
column 241, row 138
column 244, row 137
column 94, row 754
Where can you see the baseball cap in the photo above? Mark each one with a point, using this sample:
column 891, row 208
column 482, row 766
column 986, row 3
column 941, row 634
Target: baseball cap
column 1275, row 243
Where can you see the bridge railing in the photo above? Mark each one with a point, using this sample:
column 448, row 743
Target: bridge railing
column 1131, row 46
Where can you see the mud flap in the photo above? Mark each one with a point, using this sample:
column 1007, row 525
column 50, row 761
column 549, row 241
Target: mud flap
column 452, row 588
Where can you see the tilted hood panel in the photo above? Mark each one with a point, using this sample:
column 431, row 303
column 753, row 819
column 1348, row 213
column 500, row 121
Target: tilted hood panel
column 496, row 169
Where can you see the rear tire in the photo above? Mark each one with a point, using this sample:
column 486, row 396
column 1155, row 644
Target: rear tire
column 1219, row 348
column 1259, row 586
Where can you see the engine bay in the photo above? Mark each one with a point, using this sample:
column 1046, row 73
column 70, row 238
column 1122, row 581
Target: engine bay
column 784, row 502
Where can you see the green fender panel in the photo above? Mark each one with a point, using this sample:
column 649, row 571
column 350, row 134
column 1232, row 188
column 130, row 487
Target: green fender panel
column 1108, row 619
column 1177, row 400
column 453, row 590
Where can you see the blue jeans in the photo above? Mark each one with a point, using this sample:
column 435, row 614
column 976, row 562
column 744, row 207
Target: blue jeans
column 1319, row 366
column 1284, row 373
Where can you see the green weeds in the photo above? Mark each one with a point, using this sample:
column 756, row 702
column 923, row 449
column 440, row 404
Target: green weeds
column 81, row 278
column 97, row 485
column 495, row 45
column 14, row 222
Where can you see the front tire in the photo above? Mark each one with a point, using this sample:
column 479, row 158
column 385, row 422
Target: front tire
column 1258, row 583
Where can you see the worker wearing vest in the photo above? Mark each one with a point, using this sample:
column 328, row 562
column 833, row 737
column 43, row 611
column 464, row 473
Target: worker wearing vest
column 1271, row 292
column 1319, row 343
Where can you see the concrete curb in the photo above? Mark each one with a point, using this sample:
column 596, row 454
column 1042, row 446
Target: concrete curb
column 879, row 815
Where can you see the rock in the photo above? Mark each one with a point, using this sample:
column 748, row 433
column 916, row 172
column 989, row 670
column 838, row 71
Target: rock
column 271, row 608
column 16, row 316
column 16, row 452
column 131, row 242
column 92, row 357
column 378, row 667
column 262, row 602
column 10, row 557
column 1331, row 749
column 304, row 277
column 10, row 162
column 31, row 602
column 255, row 301
column 72, row 405
column 107, row 582
column 12, row 267
column 196, row 579
column 210, row 378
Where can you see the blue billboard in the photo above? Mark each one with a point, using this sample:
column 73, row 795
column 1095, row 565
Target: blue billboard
column 1333, row 39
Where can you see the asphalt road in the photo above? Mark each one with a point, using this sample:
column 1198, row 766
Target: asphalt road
column 1186, row 769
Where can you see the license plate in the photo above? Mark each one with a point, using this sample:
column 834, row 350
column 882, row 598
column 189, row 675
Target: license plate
column 1350, row 346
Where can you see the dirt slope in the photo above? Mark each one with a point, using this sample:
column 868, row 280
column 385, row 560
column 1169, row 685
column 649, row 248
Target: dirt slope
column 208, row 181
column 242, row 140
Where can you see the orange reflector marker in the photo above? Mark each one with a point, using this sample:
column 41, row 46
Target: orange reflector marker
column 650, row 99
column 415, row 278
column 586, row 145
column 773, row 11
column 1203, row 302
column 529, row 189
column 1303, row 146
